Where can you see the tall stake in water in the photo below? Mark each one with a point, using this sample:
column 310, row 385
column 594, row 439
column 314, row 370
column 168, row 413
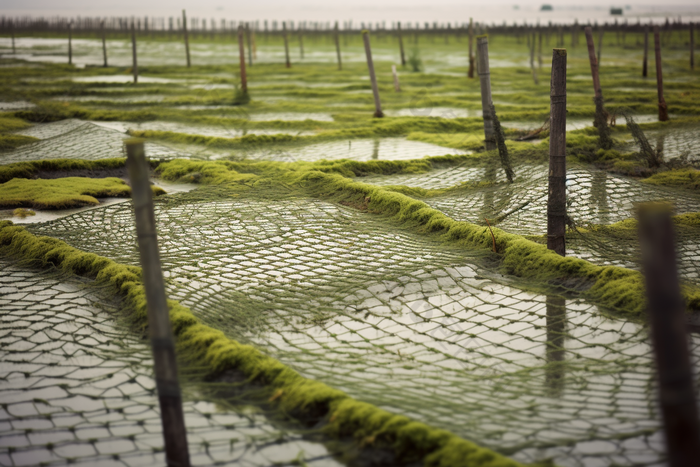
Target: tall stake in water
column 646, row 51
column 600, row 121
column 135, row 66
column 370, row 65
column 337, row 46
column 288, row 64
column 556, row 202
column 669, row 335
column 160, row 330
column 470, row 74
column 187, row 37
column 301, row 40
column 600, row 43
column 482, row 53
column 241, row 56
column 104, row 44
column 663, row 109
column 250, row 47
column 403, row 55
column 70, row 42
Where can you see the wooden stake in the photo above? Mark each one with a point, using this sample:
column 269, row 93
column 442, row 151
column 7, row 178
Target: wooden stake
column 250, row 47
column 187, row 37
column 470, row 74
column 370, row 65
column 600, row 43
column 663, row 109
column 337, row 46
column 594, row 63
column 403, row 55
column 397, row 88
column 241, row 57
column 666, row 308
column 162, row 343
column 532, row 58
column 70, row 42
column 482, row 53
column 539, row 48
column 14, row 49
column 301, row 41
column 646, row 51
column 104, row 44
column 135, row 66
column 692, row 46
column 288, row 64
column 556, row 203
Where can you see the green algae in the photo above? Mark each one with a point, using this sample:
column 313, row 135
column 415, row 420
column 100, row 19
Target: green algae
column 62, row 193
column 30, row 169
column 9, row 142
column 293, row 394
column 682, row 178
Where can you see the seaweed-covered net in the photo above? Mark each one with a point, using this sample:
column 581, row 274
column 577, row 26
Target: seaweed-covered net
column 77, row 387
column 399, row 321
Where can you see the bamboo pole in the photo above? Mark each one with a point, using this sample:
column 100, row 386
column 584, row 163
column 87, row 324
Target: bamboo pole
column 250, row 47
column 135, row 66
column 600, row 43
column 241, row 57
column 301, row 41
column 288, row 64
column 669, row 335
column 646, row 51
column 663, row 109
column 403, row 55
column 70, row 42
column 373, row 78
column 556, row 202
column 187, row 37
column 482, row 54
column 601, row 118
column 692, row 46
column 336, row 37
column 470, row 74
column 104, row 44
column 160, row 330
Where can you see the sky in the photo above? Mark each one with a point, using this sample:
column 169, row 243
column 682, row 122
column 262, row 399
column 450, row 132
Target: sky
column 359, row 10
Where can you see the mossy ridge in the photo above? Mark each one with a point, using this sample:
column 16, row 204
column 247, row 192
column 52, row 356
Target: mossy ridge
column 411, row 441
column 62, row 193
column 614, row 287
column 29, row 169
column 682, row 178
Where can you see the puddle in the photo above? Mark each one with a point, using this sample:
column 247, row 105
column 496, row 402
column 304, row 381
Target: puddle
column 222, row 131
column 443, row 112
column 290, row 117
column 359, row 150
column 125, row 79
column 16, row 105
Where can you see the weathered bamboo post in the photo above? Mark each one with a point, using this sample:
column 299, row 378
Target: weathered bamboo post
column 403, row 55
column 482, row 53
column 532, row 58
column 600, row 120
column 600, row 43
column 241, row 56
column 470, row 74
column 160, row 330
column 397, row 88
column 370, row 65
column 556, row 202
column 301, row 41
column 70, row 42
column 104, row 44
column 663, row 109
column 288, row 64
column 135, row 66
column 250, row 47
column 692, row 45
column 646, row 51
column 14, row 49
column 255, row 47
column 336, row 36
column 187, row 37
column 669, row 335
column 539, row 48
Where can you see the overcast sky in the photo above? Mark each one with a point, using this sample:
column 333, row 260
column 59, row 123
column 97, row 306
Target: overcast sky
column 373, row 10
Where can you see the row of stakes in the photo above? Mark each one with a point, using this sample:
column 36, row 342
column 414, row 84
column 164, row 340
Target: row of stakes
column 666, row 306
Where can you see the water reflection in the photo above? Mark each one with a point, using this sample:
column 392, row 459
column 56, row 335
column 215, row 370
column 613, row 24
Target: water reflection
column 599, row 195
column 375, row 150
column 555, row 350
column 660, row 143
